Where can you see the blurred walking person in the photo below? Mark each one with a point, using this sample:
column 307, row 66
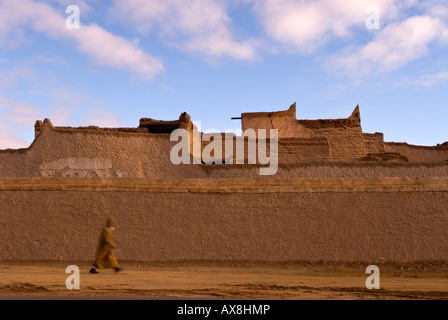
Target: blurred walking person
column 105, row 257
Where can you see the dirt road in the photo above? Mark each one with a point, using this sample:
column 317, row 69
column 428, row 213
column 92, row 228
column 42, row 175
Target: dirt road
column 224, row 280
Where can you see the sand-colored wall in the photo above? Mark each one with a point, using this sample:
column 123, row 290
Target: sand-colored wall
column 374, row 142
column 96, row 153
column 346, row 143
column 14, row 163
column 289, row 150
column 75, row 153
column 294, row 150
column 344, row 136
column 286, row 128
column 93, row 153
column 56, row 194
column 284, row 121
column 334, row 219
column 419, row 153
column 89, row 153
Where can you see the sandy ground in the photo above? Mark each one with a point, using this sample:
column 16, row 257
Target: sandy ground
column 224, row 280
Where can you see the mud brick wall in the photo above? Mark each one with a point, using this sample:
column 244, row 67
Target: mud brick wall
column 346, row 143
column 74, row 153
column 293, row 150
column 374, row 142
column 418, row 153
column 56, row 195
column 372, row 220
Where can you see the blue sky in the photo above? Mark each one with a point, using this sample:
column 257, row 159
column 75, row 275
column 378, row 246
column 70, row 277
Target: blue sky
column 216, row 59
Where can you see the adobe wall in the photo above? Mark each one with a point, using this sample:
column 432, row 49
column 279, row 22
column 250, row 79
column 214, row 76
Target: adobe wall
column 373, row 220
column 56, row 195
column 75, row 153
column 346, row 143
column 289, row 150
column 418, row 153
column 93, row 153
column 295, row 150
column 89, row 153
column 344, row 136
column 374, row 142
column 284, row 121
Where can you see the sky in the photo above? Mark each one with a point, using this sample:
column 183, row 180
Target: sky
column 216, row 59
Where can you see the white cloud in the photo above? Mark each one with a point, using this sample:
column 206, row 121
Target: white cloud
column 104, row 47
column 101, row 118
column 196, row 26
column 304, row 26
column 109, row 49
column 50, row 60
column 21, row 114
column 9, row 138
column 426, row 80
column 84, row 6
column 393, row 47
column 60, row 114
column 407, row 30
column 17, row 117
column 72, row 108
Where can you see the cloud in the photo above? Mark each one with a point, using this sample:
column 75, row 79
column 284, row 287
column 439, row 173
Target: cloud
column 393, row 47
column 108, row 49
column 21, row 114
column 72, row 108
column 9, row 138
column 407, row 30
column 84, row 6
column 17, row 117
column 426, row 80
column 102, row 46
column 196, row 26
column 304, row 26
column 101, row 118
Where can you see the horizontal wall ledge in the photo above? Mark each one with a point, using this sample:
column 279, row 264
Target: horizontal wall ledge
column 228, row 185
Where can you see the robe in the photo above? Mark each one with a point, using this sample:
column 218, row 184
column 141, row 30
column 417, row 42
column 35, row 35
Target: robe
column 105, row 257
